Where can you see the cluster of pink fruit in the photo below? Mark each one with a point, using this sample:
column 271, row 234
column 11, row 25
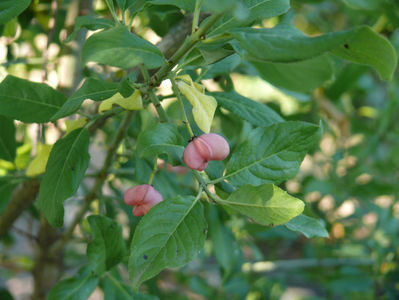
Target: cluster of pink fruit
column 196, row 156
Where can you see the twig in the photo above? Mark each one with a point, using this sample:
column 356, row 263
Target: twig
column 281, row 265
column 21, row 198
column 24, row 233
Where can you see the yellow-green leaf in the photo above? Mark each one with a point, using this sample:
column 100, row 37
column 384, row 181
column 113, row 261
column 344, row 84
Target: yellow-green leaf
column 203, row 106
column 38, row 165
column 133, row 102
column 71, row 125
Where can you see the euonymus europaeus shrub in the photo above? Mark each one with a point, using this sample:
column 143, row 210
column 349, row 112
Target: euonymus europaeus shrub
column 179, row 159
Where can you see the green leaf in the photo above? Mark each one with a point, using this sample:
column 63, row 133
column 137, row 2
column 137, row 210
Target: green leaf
column 183, row 4
column 309, row 227
column 93, row 89
column 254, row 112
column 9, row 9
column 272, row 154
column 364, row 4
column 5, row 295
column 119, row 47
column 38, row 165
column 66, row 166
column 90, row 23
column 163, row 138
column 107, row 247
column 221, row 5
column 133, row 102
column 258, row 10
column 266, row 204
column 222, row 67
column 303, row 76
column 170, row 235
column 226, row 250
column 77, row 287
column 347, row 77
column 8, row 145
column 27, row 101
column 284, row 43
column 116, row 289
column 369, row 48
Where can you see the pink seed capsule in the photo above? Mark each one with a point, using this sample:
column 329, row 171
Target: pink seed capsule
column 143, row 197
column 202, row 149
column 220, row 147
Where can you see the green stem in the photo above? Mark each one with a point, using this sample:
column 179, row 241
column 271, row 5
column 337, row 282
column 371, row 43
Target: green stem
column 131, row 21
column 180, row 98
column 124, row 18
column 217, row 38
column 154, row 170
column 84, row 115
column 203, row 73
column 187, row 45
column 197, row 12
column 204, row 186
column 161, row 112
column 198, row 195
column 154, row 99
column 145, row 73
column 217, row 180
column 112, row 10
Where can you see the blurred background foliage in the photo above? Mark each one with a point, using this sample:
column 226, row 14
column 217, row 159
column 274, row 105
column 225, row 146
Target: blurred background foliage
column 350, row 182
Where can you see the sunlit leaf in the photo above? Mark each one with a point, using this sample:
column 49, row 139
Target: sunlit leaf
column 71, row 125
column 203, row 106
column 266, row 204
column 38, row 165
column 133, row 102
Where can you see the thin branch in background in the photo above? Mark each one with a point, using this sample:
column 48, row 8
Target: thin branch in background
column 51, row 26
column 24, row 233
column 101, row 177
column 21, row 198
column 285, row 265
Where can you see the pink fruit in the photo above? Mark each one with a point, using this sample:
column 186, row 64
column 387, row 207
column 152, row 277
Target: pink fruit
column 143, row 197
column 220, row 147
column 201, row 150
